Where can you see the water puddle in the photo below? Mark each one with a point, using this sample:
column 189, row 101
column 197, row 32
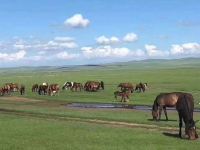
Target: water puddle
column 116, row 106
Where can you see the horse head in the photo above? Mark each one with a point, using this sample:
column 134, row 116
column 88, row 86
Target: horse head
column 191, row 130
column 155, row 111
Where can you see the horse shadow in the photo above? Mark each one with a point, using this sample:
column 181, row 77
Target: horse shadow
column 174, row 135
column 162, row 120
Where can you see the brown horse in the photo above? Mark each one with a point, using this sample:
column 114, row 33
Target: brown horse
column 53, row 89
column 93, row 86
column 124, row 95
column 77, row 86
column 185, row 108
column 35, row 88
column 164, row 100
column 126, row 87
column 141, row 87
column 13, row 87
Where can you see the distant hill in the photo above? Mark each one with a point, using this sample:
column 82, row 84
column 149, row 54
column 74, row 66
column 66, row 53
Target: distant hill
column 142, row 64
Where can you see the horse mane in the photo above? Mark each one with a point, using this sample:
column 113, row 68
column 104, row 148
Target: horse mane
column 188, row 111
column 155, row 105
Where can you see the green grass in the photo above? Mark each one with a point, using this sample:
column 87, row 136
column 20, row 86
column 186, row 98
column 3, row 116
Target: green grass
column 24, row 133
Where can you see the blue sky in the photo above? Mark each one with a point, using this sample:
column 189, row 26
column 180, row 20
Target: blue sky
column 61, row 32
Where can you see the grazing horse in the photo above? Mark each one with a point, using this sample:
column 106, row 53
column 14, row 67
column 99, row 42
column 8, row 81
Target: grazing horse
column 35, row 88
column 77, row 86
column 185, row 108
column 141, row 87
column 53, row 89
column 124, row 95
column 67, row 85
column 93, row 86
column 6, row 89
column 22, row 89
column 164, row 100
column 13, row 87
column 42, row 90
column 126, row 87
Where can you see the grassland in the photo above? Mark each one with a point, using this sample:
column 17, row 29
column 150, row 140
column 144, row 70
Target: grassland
column 23, row 128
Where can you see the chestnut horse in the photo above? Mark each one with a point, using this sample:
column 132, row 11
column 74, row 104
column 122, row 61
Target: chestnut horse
column 126, row 87
column 93, row 86
column 185, row 108
column 164, row 100
column 53, row 89
column 124, row 95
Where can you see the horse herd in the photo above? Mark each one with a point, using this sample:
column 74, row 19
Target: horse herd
column 184, row 102
column 12, row 87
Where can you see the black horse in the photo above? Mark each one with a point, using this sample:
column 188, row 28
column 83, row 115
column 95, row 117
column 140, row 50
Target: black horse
column 185, row 108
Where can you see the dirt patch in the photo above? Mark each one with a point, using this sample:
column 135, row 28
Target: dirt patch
column 19, row 99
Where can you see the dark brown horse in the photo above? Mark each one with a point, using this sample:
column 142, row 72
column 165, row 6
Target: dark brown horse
column 77, row 86
column 35, row 88
column 124, row 95
column 22, row 89
column 43, row 89
column 185, row 108
column 126, row 87
column 93, row 86
column 162, row 101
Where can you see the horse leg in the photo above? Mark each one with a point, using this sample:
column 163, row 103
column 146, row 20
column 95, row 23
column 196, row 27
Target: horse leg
column 160, row 112
column 180, row 125
column 165, row 111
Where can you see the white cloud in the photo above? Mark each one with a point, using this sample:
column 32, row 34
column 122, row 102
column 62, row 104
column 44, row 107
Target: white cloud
column 66, row 56
column 64, row 39
column 77, row 21
column 105, row 51
column 107, row 41
column 153, row 51
column 19, row 46
column 130, row 37
column 185, row 49
column 13, row 56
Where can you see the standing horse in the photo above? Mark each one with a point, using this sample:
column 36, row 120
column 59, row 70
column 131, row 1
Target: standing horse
column 124, row 95
column 126, row 87
column 185, row 108
column 164, row 100
column 22, row 89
